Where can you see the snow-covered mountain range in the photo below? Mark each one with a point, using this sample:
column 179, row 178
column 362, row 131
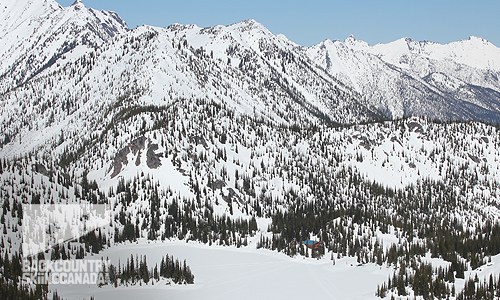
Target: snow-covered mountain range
column 89, row 59
column 231, row 135
column 459, row 80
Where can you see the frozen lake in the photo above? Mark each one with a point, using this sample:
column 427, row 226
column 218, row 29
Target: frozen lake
column 245, row 273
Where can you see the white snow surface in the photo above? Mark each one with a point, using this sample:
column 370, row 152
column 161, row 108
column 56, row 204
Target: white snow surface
column 230, row 273
column 475, row 52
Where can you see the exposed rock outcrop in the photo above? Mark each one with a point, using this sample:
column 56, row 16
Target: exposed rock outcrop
column 121, row 159
column 153, row 159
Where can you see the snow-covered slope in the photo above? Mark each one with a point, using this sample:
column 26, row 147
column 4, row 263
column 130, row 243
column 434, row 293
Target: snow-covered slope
column 34, row 34
column 242, row 66
column 474, row 52
column 459, row 80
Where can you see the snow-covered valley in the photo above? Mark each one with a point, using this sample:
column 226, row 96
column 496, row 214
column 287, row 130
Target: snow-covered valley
column 339, row 171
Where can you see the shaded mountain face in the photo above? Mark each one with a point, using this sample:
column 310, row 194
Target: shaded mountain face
column 459, row 80
column 36, row 34
column 242, row 66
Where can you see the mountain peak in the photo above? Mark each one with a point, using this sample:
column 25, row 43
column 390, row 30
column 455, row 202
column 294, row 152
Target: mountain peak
column 354, row 43
column 249, row 25
column 477, row 39
column 401, row 41
column 251, row 22
column 43, row 29
column 351, row 38
column 78, row 3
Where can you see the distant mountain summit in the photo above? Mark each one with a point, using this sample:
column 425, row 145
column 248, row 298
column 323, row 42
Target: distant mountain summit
column 459, row 80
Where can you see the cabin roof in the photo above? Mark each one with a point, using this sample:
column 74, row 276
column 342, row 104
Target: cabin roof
column 310, row 242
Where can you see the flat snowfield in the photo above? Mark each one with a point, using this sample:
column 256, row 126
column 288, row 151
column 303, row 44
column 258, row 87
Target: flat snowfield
column 245, row 273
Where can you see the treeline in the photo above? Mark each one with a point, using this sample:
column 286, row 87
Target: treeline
column 419, row 215
column 92, row 242
column 11, row 288
column 137, row 270
column 474, row 289
column 425, row 281
column 328, row 200
column 184, row 219
column 12, row 291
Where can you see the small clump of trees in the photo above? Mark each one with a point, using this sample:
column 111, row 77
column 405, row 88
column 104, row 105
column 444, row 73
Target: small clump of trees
column 136, row 270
